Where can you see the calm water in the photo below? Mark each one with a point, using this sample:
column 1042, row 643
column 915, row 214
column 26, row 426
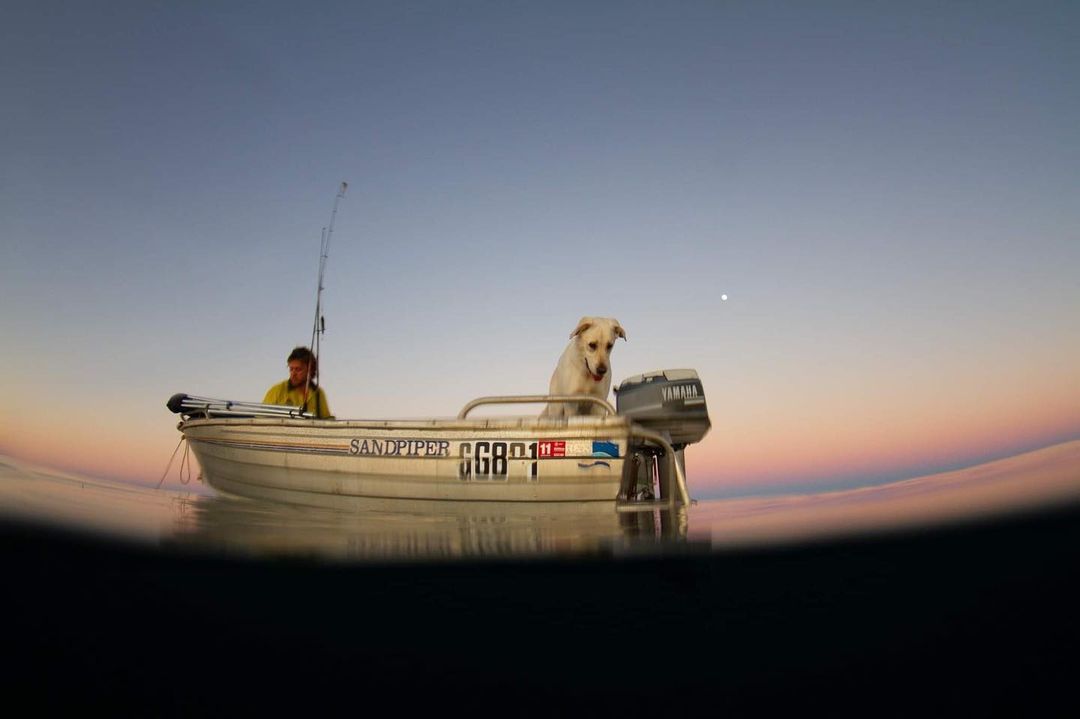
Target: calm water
column 195, row 516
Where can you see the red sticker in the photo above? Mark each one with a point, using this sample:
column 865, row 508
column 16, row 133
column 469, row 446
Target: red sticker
column 551, row 448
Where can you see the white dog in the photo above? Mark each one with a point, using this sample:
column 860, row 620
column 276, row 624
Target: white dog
column 585, row 366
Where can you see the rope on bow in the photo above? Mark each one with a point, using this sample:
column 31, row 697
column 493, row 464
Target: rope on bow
column 185, row 461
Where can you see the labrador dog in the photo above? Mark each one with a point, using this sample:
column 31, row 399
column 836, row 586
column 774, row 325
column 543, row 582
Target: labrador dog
column 585, row 366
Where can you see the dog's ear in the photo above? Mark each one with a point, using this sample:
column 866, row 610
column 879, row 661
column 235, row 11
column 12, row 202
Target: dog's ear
column 583, row 324
column 619, row 331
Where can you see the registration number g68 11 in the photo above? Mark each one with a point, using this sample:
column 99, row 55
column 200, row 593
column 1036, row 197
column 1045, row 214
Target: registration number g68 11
column 495, row 461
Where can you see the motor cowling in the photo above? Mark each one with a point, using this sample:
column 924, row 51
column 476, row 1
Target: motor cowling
column 669, row 402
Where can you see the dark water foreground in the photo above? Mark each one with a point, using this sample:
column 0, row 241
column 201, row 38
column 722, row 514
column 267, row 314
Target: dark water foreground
column 974, row 618
column 952, row 594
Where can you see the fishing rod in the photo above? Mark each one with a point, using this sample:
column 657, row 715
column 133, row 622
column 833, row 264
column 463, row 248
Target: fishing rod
column 318, row 328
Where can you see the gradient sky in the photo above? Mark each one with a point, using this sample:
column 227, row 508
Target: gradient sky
column 886, row 192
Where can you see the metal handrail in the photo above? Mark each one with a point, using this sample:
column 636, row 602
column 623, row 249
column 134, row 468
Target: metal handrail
column 534, row 399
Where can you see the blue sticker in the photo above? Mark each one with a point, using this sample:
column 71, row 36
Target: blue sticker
column 600, row 448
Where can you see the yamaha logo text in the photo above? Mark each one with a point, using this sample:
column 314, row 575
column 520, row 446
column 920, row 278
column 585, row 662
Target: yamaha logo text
column 679, row 391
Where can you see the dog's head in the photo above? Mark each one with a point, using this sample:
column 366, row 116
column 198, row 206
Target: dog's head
column 595, row 336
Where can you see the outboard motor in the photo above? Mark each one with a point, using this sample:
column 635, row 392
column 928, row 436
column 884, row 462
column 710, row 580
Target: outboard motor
column 670, row 403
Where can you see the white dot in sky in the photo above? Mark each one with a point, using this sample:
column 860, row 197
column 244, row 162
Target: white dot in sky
column 723, row 297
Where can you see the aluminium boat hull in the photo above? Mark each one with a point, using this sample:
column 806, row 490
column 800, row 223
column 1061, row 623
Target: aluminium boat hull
column 509, row 460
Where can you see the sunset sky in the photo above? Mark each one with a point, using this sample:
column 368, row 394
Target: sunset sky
column 885, row 192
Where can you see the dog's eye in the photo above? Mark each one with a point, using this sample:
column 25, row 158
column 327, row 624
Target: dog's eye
column 610, row 346
column 592, row 345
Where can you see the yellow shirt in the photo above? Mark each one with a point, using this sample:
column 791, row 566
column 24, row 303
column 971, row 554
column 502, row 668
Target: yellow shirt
column 282, row 393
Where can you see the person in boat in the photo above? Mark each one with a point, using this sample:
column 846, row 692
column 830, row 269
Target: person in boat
column 300, row 390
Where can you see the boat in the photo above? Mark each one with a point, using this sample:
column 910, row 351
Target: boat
column 630, row 454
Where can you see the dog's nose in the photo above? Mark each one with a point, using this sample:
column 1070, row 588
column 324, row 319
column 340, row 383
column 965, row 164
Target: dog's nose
column 601, row 370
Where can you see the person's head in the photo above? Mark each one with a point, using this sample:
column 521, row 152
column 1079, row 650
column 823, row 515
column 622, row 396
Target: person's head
column 301, row 362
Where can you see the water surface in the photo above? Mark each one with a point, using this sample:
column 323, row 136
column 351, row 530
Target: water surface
column 197, row 518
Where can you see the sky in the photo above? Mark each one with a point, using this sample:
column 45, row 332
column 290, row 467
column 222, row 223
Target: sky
column 885, row 193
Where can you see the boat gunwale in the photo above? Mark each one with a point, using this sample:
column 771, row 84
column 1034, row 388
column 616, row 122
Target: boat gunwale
column 545, row 424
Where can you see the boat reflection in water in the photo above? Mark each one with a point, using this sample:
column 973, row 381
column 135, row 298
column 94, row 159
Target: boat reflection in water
column 277, row 523
column 266, row 524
